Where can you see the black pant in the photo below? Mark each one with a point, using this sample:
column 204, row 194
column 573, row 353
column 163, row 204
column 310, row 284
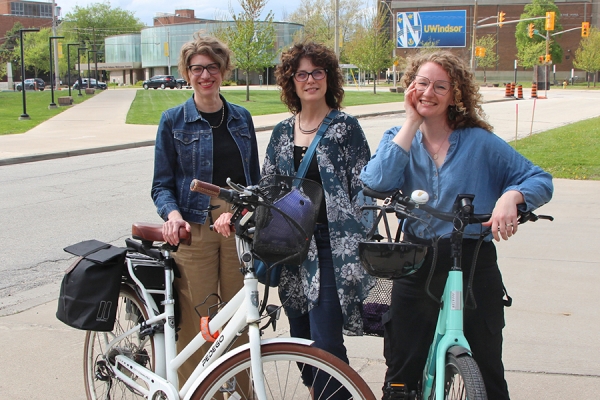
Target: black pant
column 410, row 326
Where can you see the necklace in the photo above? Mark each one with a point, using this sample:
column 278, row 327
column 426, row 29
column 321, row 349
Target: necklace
column 309, row 131
column 222, row 116
column 435, row 153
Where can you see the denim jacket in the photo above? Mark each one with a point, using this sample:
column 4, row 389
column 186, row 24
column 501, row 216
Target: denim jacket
column 183, row 152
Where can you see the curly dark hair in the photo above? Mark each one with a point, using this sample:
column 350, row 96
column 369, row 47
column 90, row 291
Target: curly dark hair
column 208, row 46
column 466, row 111
column 320, row 56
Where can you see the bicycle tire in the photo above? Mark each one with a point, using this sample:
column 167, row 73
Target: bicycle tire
column 281, row 366
column 99, row 381
column 463, row 379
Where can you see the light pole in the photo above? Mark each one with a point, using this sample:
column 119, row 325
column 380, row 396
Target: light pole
column 52, row 104
column 88, row 60
column 24, row 115
column 69, row 64
column 79, row 67
column 167, row 45
column 96, row 64
column 395, row 39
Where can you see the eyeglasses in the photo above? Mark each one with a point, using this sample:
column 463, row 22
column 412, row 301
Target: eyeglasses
column 317, row 74
column 440, row 87
column 197, row 69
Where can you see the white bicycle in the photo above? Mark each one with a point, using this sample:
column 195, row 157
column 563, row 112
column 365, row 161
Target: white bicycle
column 138, row 358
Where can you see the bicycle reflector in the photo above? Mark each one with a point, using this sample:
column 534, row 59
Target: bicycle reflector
column 391, row 260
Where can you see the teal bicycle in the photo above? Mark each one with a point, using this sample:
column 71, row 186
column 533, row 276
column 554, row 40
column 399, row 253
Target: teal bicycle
column 450, row 371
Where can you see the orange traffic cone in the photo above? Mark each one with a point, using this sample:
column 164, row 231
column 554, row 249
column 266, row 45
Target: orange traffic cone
column 507, row 90
column 512, row 89
column 520, row 92
column 534, row 90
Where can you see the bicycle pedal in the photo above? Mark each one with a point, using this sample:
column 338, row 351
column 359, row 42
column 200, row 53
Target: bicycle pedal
column 396, row 391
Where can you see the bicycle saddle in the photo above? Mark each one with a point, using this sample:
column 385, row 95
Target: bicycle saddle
column 153, row 233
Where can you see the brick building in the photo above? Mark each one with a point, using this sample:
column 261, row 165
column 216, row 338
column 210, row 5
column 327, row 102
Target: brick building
column 573, row 13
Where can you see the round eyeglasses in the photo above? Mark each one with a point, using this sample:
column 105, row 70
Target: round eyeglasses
column 197, row 69
column 317, row 74
column 440, row 87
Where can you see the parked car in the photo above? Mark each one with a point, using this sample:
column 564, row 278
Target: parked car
column 30, row 84
column 181, row 83
column 160, row 81
column 93, row 84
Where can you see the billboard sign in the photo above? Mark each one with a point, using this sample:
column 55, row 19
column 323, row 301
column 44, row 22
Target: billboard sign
column 437, row 28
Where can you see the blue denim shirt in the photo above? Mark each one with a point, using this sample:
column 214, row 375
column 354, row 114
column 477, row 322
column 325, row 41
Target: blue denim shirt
column 478, row 162
column 184, row 151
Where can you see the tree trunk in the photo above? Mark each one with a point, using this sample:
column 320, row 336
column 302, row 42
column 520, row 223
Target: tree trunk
column 374, row 82
column 247, row 85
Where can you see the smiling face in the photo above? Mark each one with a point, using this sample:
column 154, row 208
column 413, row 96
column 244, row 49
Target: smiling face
column 312, row 90
column 429, row 103
column 205, row 85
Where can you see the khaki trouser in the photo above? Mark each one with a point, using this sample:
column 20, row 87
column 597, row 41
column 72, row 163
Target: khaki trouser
column 209, row 266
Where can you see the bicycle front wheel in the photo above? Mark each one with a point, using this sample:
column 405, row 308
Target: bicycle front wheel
column 292, row 371
column 463, row 379
column 100, row 382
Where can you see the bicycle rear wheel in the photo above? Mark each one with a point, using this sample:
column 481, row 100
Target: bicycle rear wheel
column 463, row 379
column 283, row 366
column 99, row 380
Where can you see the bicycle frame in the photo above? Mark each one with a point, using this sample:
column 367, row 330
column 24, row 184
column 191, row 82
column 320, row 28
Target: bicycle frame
column 241, row 312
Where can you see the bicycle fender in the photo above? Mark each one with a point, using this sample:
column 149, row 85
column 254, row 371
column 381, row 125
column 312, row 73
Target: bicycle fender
column 237, row 350
column 458, row 351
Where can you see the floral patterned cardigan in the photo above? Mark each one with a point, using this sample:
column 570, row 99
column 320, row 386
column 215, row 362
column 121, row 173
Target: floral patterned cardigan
column 341, row 154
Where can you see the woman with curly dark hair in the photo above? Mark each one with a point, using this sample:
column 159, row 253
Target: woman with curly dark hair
column 446, row 148
column 323, row 296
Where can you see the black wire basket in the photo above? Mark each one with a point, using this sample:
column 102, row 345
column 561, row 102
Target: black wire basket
column 285, row 222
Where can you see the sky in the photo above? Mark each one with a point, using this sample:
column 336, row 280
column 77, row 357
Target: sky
column 145, row 10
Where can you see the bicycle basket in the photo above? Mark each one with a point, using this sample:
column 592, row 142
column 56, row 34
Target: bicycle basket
column 391, row 260
column 284, row 223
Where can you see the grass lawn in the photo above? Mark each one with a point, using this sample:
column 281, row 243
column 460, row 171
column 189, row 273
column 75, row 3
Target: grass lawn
column 569, row 152
column 11, row 108
column 149, row 104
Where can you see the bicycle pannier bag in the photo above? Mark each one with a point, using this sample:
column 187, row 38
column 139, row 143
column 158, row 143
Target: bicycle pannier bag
column 90, row 288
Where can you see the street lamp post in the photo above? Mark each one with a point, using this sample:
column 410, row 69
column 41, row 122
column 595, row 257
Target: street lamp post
column 96, row 64
column 79, row 49
column 52, row 104
column 24, row 115
column 88, row 60
column 395, row 39
column 69, row 64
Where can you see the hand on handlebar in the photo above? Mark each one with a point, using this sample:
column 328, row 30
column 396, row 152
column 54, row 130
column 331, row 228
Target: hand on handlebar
column 505, row 219
column 223, row 224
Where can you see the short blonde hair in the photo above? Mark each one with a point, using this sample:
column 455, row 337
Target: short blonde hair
column 209, row 46
column 467, row 111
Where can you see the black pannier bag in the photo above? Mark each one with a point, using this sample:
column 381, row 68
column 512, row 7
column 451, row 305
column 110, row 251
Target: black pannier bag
column 90, row 288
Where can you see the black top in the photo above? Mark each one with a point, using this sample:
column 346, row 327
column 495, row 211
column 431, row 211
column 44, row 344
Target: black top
column 227, row 160
column 313, row 174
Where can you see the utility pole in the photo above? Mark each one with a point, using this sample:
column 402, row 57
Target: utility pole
column 336, row 33
column 56, row 71
column 473, row 36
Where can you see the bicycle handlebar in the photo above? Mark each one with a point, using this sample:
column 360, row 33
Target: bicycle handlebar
column 212, row 190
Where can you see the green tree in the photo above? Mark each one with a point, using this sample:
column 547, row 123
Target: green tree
column 537, row 8
column 91, row 24
column 252, row 41
column 318, row 18
column 37, row 54
column 371, row 47
column 488, row 42
column 10, row 50
column 587, row 55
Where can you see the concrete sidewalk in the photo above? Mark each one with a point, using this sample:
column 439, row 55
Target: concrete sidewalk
column 98, row 125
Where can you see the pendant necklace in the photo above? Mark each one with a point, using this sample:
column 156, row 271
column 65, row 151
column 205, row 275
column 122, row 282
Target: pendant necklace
column 435, row 153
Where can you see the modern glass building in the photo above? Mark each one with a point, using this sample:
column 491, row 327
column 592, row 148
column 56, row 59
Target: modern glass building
column 155, row 51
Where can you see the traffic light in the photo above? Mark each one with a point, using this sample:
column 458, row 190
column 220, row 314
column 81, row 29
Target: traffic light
column 585, row 29
column 548, row 58
column 541, row 59
column 501, row 16
column 550, row 20
column 530, row 29
column 480, row 51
